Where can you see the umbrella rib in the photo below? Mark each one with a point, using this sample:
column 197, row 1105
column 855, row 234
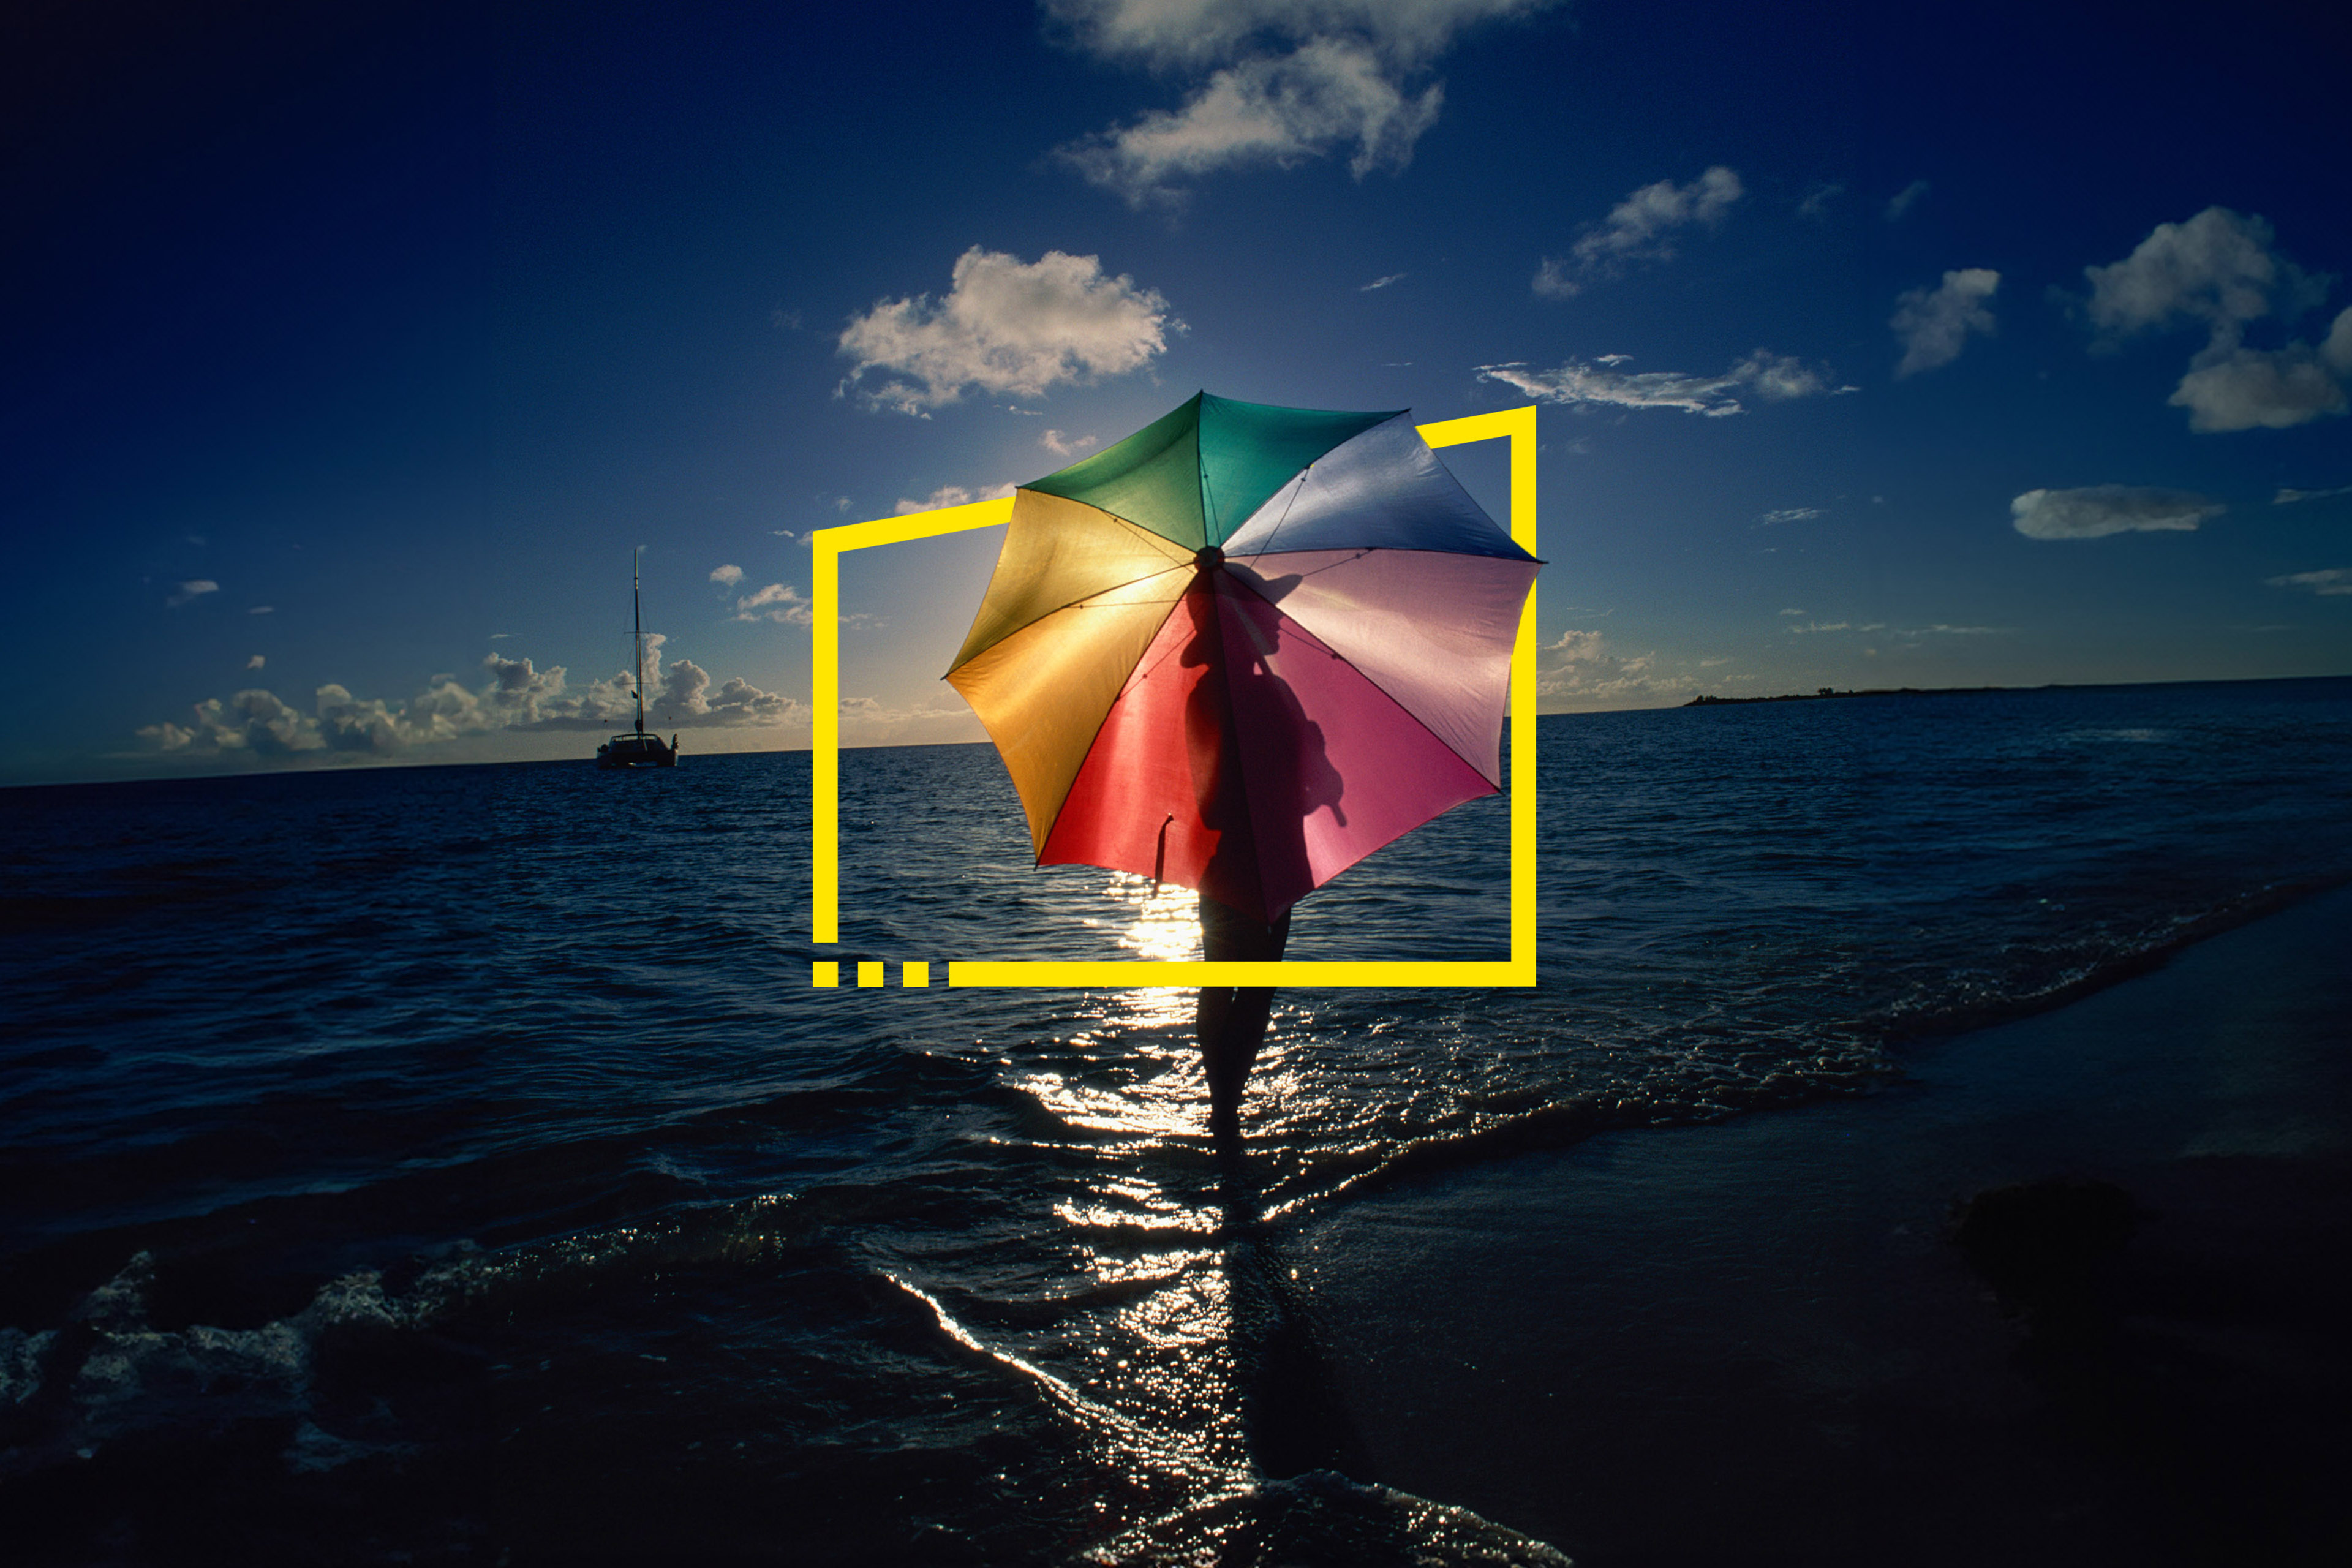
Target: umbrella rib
column 1365, row 676
column 1080, row 603
column 1296, row 491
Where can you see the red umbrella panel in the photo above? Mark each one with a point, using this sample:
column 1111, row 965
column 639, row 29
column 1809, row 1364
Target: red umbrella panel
column 1245, row 648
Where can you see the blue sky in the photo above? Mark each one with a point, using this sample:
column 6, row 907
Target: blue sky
column 1876, row 346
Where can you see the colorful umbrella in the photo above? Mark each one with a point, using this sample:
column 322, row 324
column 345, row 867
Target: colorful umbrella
column 1244, row 647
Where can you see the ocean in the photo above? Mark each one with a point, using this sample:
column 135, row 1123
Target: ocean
column 451, row 1165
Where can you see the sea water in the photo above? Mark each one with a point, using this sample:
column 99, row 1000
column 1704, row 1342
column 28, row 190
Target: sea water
column 443, row 1163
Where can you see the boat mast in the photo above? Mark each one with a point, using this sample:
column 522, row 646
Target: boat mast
column 638, row 628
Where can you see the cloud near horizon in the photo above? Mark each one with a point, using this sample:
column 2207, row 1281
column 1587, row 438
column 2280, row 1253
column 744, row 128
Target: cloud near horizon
column 2095, row 512
column 1275, row 83
column 953, row 495
column 1582, row 665
column 1007, row 326
column 514, row 698
column 1774, row 378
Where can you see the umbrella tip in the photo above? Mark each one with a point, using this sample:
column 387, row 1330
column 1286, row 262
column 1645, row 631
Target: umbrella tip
column 1208, row 560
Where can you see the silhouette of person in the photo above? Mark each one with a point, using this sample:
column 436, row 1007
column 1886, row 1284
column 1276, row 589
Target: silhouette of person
column 1260, row 839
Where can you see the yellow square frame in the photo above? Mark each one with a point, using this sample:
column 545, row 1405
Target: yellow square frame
column 826, row 547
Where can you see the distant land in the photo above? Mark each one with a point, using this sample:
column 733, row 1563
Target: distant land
column 1705, row 701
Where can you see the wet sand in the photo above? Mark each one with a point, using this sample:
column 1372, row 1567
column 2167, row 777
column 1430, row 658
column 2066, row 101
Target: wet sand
column 1755, row 1341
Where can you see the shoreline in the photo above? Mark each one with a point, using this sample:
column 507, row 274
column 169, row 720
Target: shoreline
column 1751, row 1340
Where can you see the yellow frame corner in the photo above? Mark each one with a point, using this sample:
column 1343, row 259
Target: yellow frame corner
column 828, row 544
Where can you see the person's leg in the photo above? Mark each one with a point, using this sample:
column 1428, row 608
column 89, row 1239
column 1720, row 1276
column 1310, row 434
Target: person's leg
column 1231, row 1020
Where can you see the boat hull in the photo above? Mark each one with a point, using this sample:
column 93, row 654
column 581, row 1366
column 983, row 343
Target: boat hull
column 635, row 752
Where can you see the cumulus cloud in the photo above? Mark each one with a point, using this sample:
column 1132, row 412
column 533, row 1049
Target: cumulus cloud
column 1274, row 83
column 2289, row 496
column 2231, row 388
column 1933, row 324
column 2333, row 582
column 513, row 696
column 1005, row 326
column 1816, row 201
column 2097, row 510
column 730, row 575
column 256, row 662
column 195, row 588
column 1774, row 378
column 1903, row 200
column 2221, row 269
column 1582, row 666
column 954, row 495
column 1062, row 446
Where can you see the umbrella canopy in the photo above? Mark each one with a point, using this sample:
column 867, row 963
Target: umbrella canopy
column 1244, row 647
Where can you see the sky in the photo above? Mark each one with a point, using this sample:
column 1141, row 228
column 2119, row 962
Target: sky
column 356, row 350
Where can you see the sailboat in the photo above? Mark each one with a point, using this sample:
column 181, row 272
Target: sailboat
column 637, row 749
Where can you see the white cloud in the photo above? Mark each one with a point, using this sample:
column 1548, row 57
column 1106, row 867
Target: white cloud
column 1286, row 82
column 950, row 495
column 1552, row 280
column 262, row 610
column 2231, row 388
column 2221, row 269
column 1062, row 446
column 2333, row 582
column 1903, row 200
column 1384, row 282
column 1642, row 228
column 778, row 602
column 513, row 697
column 256, row 662
column 2289, row 496
column 1281, row 110
column 1775, row 378
column 1933, row 324
column 1588, row 670
column 1816, row 201
column 730, row 575
column 1005, row 326
column 1175, row 34
column 2217, row 268
column 195, row 588
column 1792, row 514
column 2097, row 510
